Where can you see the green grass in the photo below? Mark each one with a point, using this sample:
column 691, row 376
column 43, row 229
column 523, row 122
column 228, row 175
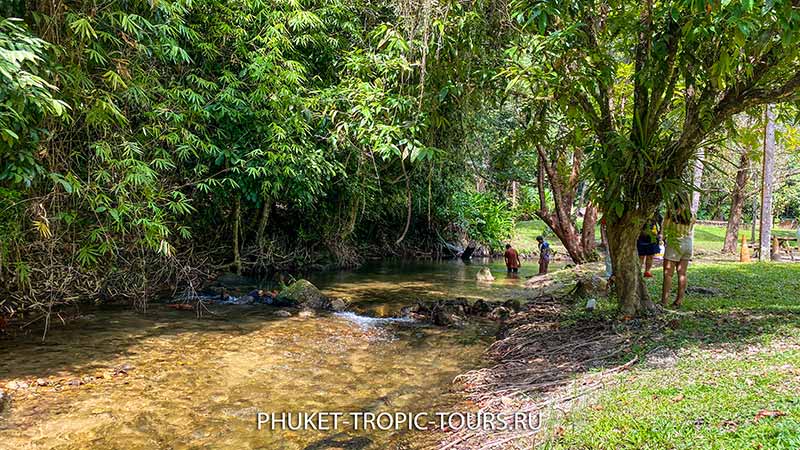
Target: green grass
column 738, row 354
column 708, row 239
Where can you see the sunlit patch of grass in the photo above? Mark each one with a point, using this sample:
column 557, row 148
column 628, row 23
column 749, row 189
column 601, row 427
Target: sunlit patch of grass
column 737, row 353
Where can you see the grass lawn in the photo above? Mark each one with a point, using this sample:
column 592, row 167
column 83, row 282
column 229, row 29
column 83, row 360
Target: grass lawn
column 732, row 380
column 708, row 239
column 732, row 376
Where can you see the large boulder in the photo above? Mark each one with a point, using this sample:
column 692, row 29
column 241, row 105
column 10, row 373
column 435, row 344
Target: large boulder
column 303, row 293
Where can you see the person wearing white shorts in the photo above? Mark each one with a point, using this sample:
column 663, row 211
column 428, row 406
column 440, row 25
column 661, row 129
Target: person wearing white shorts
column 679, row 237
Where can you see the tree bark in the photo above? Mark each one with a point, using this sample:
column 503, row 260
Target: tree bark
column 632, row 295
column 737, row 205
column 262, row 222
column 580, row 245
column 766, row 185
column 237, row 218
column 697, row 180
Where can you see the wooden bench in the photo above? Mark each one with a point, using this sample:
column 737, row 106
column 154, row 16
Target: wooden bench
column 783, row 245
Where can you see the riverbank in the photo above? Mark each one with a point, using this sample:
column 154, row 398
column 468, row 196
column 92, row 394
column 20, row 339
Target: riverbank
column 118, row 378
column 723, row 372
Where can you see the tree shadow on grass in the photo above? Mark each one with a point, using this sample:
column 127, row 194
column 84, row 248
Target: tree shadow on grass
column 553, row 354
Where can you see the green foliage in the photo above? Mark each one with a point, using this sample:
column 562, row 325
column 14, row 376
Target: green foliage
column 134, row 131
column 486, row 220
column 26, row 99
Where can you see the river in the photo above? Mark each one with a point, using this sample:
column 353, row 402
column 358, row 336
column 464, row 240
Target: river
column 119, row 379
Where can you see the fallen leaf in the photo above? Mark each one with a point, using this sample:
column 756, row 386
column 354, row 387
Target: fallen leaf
column 768, row 413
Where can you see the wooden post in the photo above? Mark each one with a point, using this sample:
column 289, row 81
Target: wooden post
column 775, row 254
column 766, row 185
column 744, row 253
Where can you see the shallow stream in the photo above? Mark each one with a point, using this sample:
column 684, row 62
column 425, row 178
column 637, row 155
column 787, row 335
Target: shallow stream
column 165, row 379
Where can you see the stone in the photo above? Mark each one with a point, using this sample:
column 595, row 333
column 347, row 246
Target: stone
column 484, row 275
column 17, row 385
column 448, row 314
column 305, row 294
column 306, row 313
column 41, row 382
column 513, row 305
column 480, row 308
column 75, row 382
column 5, row 401
column 500, row 313
column 338, row 304
column 283, row 313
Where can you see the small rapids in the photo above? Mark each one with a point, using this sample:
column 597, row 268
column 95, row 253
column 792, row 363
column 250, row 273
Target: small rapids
column 366, row 322
column 192, row 382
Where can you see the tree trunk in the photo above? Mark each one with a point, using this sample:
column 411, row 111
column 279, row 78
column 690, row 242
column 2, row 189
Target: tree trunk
column 631, row 291
column 697, row 180
column 514, row 194
column 579, row 244
column 766, row 185
column 737, row 204
column 237, row 218
column 262, row 222
column 587, row 232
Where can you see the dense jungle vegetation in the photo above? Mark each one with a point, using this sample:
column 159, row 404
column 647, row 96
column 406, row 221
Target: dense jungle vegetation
column 150, row 143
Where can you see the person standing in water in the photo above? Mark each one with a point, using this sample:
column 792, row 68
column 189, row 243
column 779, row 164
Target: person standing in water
column 544, row 255
column 679, row 238
column 512, row 259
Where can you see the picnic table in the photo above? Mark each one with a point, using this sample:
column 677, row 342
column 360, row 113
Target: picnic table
column 783, row 245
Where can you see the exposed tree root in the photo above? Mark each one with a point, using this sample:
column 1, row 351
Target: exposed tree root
column 541, row 368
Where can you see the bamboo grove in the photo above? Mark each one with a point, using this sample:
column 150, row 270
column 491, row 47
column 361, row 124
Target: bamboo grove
column 146, row 143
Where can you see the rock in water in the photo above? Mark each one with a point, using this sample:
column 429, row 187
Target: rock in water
column 283, row 313
column 338, row 304
column 447, row 315
column 17, row 385
column 303, row 293
column 306, row 313
column 484, row 274
column 5, row 401
column 480, row 308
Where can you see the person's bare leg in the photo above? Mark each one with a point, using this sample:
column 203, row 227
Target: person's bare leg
column 667, row 286
column 641, row 262
column 682, row 280
column 648, row 263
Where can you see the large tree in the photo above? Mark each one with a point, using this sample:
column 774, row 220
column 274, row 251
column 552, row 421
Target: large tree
column 653, row 80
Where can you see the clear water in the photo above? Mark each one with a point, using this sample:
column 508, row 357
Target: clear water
column 198, row 383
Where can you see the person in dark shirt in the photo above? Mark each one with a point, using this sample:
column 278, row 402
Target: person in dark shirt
column 647, row 245
column 544, row 255
column 512, row 259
